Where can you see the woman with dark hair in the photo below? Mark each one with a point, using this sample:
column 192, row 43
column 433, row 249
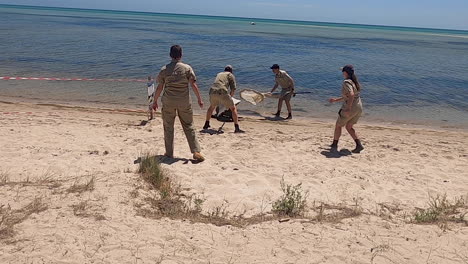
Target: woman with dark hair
column 351, row 110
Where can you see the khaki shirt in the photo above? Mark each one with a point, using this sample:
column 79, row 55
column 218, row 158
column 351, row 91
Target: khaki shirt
column 346, row 89
column 176, row 77
column 223, row 81
column 284, row 80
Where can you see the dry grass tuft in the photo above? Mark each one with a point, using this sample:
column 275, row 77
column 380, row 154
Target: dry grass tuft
column 170, row 202
column 379, row 252
column 9, row 218
column 336, row 213
column 46, row 180
column 176, row 208
column 4, row 178
column 85, row 209
column 441, row 211
column 83, row 187
column 151, row 171
column 388, row 211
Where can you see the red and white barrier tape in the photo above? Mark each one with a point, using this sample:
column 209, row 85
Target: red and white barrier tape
column 95, row 110
column 69, row 79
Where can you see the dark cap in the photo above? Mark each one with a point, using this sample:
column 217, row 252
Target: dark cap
column 228, row 68
column 275, row 66
column 348, row 68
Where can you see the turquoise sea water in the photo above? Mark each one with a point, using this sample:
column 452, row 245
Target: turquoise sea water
column 409, row 75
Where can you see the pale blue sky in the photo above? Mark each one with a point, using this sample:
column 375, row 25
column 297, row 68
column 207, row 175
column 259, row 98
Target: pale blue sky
column 451, row 14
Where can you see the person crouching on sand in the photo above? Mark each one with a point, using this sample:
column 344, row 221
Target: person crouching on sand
column 219, row 95
column 351, row 110
column 175, row 78
column 283, row 79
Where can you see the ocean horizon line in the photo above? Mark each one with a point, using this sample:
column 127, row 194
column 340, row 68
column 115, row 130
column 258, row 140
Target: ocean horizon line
column 249, row 19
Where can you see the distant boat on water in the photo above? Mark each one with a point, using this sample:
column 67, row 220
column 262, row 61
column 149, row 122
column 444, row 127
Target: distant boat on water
column 252, row 23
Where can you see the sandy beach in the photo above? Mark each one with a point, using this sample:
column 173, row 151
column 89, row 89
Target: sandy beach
column 77, row 168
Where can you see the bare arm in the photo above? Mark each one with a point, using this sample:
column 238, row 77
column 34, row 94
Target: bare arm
column 274, row 88
column 293, row 84
column 232, row 85
column 157, row 94
column 194, row 85
column 338, row 99
column 233, row 91
column 350, row 93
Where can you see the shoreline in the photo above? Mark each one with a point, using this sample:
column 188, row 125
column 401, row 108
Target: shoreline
column 245, row 114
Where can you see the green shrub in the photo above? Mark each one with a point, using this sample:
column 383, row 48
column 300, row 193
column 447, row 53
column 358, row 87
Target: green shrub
column 292, row 202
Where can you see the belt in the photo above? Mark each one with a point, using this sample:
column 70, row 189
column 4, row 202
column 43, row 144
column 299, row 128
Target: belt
column 220, row 92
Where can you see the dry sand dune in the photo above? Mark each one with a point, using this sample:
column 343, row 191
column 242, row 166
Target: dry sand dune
column 70, row 191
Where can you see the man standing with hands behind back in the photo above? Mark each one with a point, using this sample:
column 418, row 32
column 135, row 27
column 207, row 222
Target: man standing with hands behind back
column 175, row 78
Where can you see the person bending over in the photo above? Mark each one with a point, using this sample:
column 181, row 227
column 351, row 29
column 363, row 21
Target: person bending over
column 219, row 95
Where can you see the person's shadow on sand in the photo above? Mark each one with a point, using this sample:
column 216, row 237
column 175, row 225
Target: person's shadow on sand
column 332, row 153
column 143, row 123
column 275, row 118
column 168, row 160
column 212, row 131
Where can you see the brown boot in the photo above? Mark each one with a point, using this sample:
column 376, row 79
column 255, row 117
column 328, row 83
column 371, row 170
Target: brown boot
column 198, row 157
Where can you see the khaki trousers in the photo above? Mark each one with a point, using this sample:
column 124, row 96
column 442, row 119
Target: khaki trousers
column 185, row 114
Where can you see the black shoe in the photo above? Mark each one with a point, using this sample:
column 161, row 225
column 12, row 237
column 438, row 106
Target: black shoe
column 237, row 129
column 207, row 125
column 289, row 116
column 277, row 114
column 358, row 149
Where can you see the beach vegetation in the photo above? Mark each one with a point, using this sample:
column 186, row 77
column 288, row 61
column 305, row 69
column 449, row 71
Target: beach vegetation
column 46, row 180
column 9, row 217
column 151, row 171
column 4, row 178
column 171, row 202
column 442, row 211
column 336, row 212
column 86, row 209
column 78, row 187
column 293, row 201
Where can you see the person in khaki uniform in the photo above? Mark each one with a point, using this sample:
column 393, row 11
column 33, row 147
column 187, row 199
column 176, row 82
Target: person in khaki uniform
column 283, row 79
column 351, row 110
column 219, row 95
column 175, row 78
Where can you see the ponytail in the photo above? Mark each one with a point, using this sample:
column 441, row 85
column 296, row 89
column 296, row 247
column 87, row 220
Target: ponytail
column 349, row 69
column 354, row 78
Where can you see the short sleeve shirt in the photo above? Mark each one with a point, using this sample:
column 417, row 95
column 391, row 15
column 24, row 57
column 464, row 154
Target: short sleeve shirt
column 150, row 86
column 346, row 88
column 176, row 77
column 284, row 80
column 223, row 81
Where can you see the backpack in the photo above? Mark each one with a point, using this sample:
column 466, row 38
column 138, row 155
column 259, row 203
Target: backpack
column 225, row 116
